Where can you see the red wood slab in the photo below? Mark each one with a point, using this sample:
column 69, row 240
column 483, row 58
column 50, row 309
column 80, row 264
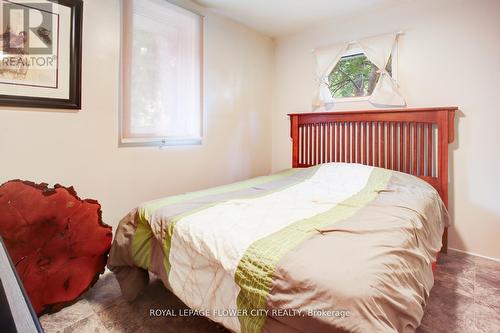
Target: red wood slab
column 57, row 241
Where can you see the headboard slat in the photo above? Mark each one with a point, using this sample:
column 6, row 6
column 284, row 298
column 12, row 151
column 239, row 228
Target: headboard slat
column 413, row 141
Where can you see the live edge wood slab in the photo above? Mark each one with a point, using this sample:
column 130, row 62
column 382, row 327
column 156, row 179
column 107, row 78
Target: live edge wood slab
column 57, row 241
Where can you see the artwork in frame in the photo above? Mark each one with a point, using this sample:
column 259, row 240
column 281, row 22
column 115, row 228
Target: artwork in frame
column 40, row 53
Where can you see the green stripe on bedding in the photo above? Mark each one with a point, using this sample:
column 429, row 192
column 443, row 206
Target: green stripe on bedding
column 143, row 236
column 233, row 188
column 255, row 271
column 198, row 201
column 141, row 245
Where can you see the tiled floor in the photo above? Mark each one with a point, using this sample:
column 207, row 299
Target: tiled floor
column 465, row 298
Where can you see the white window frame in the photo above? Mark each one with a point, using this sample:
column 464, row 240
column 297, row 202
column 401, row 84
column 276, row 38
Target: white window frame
column 160, row 141
column 353, row 49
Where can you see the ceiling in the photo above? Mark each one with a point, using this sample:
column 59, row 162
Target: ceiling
column 277, row 18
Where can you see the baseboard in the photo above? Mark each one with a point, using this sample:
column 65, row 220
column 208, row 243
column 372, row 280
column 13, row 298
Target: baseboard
column 474, row 254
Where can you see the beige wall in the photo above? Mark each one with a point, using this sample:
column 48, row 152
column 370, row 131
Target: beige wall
column 450, row 55
column 81, row 149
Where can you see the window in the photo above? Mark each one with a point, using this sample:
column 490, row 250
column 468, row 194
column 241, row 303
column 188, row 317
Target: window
column 354, row 76
column 162, row 74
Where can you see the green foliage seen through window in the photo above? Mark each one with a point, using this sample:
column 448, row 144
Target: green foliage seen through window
column 354, row 76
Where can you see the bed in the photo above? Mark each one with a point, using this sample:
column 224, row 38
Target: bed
column 342, row 242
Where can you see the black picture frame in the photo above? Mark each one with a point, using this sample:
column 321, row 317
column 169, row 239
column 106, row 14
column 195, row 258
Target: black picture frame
column 74, row 101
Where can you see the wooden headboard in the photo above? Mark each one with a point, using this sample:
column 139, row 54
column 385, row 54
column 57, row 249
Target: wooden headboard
column 413, row 141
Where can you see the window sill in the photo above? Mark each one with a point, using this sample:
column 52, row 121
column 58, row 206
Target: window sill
column 171, row 142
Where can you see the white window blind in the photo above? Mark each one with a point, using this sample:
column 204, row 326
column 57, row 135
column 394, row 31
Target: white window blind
column 162, row 74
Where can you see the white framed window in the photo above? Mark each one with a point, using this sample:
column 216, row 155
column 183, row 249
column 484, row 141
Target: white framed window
column 355, row 77
column 162, row 66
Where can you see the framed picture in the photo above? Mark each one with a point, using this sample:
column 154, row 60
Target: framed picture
column 41, row 53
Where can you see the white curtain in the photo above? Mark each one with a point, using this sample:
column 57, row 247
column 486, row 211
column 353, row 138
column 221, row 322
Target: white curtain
column 326, row 59
column 378, row 50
